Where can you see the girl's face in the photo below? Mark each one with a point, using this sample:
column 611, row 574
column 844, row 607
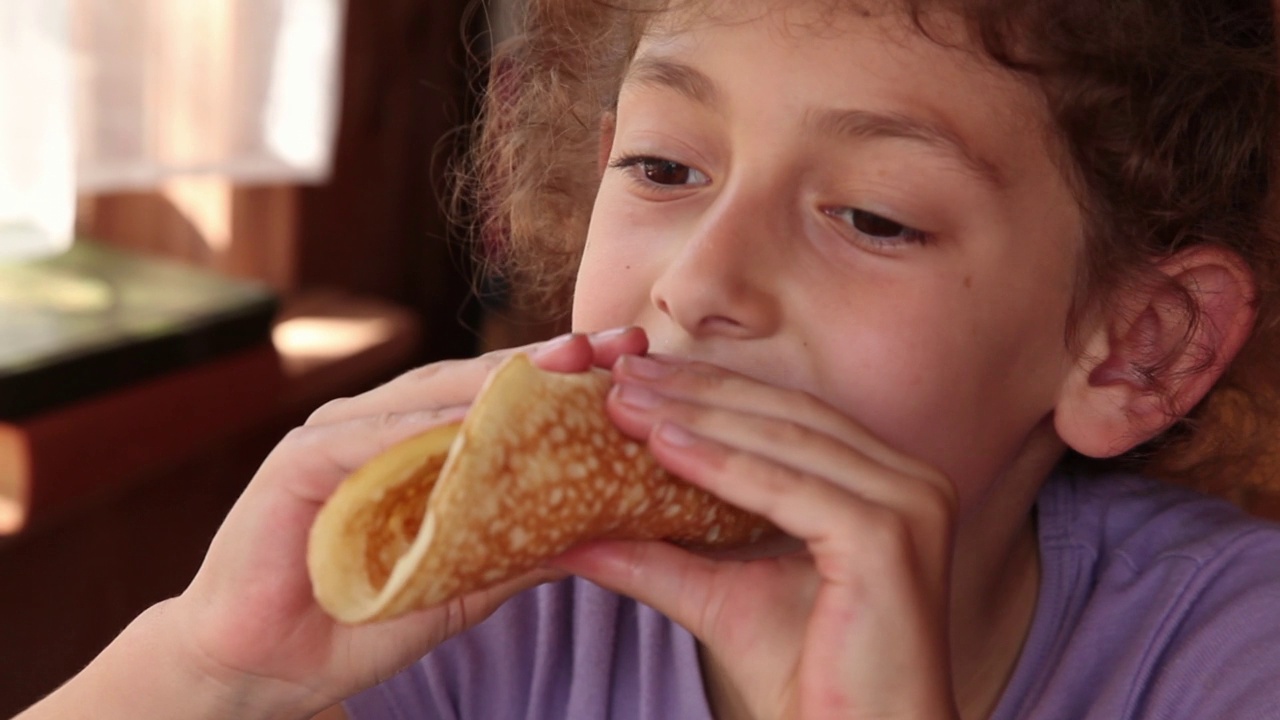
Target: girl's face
column 839, row 205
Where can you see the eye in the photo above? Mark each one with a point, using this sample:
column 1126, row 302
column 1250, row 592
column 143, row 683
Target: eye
column 879, row 229
column 660, row 171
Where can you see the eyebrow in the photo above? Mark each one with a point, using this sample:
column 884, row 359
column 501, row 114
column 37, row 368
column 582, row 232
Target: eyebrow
column 858, row 124
column 688, row 81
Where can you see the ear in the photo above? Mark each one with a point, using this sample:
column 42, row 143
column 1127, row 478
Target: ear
column 608, row 124
column 1156, row 352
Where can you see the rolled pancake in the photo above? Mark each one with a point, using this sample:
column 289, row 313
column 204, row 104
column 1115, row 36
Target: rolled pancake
column 535, row 468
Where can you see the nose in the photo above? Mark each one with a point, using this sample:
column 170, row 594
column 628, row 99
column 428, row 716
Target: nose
column 723, row 279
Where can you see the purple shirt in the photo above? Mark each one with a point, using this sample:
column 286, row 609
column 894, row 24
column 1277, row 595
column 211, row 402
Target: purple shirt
column 1154, row 603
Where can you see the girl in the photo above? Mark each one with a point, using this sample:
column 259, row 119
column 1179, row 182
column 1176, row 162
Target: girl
column 889, row 272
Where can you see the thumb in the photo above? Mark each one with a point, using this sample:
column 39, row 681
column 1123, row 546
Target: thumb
column 673, row 581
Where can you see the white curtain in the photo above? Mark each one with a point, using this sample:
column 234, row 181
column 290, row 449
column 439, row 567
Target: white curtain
column 102, row 95
column 37, row 203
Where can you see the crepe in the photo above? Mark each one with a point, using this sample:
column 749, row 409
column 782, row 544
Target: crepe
column 535, row 468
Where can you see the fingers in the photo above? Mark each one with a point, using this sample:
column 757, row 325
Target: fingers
column 454, row 383
column 886, row 521
column 674, row 581
column 792, row 427
column 577, row 352
column 863, row 604
column 609, row 346
column 449, row 383
column 713, row 386
column 311, row 460
column 469, row 610
column 702, row 594
column 431, row 626
column 767, row 465
column 815, row 474
column 344, row 434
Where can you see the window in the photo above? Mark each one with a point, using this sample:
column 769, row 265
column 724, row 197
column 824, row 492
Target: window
column 105, row 95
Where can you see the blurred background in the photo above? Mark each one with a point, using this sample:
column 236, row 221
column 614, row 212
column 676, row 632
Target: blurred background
column 215, row 215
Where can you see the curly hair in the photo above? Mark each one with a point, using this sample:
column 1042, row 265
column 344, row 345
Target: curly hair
column 1164, row 110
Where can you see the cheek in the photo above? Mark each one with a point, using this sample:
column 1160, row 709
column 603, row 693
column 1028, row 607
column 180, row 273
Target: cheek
column 940, row 376
column 595, row 306
column 612, row 285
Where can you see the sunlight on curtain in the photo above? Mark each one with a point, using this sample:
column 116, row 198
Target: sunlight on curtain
column 148, row 94
column 37, row 204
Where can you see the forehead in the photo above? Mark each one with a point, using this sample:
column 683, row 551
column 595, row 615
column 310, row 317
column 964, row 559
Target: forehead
column 659, row 18
column 933, row 27
column 840, row 53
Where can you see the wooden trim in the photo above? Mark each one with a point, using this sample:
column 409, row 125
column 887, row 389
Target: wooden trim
column 69, row 457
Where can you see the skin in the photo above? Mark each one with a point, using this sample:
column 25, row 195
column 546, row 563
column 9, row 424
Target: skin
column 891, row 399
column 858, row 334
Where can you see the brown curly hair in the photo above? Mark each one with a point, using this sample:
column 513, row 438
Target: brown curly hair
column 1165, row 112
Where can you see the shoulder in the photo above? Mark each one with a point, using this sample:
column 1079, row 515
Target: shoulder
column 1160, row 601
column 567, row 649
column 1121, row 512
column 1137, row 535
column 1128, row 525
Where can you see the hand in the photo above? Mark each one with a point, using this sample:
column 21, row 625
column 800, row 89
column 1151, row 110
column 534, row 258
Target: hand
column 249, row 617
column 853, row 624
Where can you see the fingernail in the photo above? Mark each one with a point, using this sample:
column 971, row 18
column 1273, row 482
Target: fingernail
column 675, row 435
column 636, row 397
column 554, row 344
column 610, row 334
column 645, row 368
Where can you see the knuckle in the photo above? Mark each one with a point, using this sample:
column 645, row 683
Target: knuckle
column 301, row 437
column 387, row 428
column 702, row 380
column 808, row 402
column 789, row 433
column 937, row 529
column 887, row 533
column 447, row 371
column 940, row 482
column 327, row 412
column 773, row 481
column 455, row 617
column 937, row 499
column 494, row 358
column 383, row 421
column 691, row 415
column 922, row 527
column 427, row 373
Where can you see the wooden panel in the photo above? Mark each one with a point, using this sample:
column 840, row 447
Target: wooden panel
column 70, row 587
column 378, row 228
column 73, row 456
